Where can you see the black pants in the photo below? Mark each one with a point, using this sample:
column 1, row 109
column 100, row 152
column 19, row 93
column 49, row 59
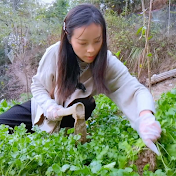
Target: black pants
column 22, row 114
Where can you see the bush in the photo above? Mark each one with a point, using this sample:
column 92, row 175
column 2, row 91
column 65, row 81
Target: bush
column 127, row 36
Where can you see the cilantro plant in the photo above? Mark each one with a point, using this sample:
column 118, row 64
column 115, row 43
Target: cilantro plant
column 112, row 147
column 166, row 115
column 4, row 105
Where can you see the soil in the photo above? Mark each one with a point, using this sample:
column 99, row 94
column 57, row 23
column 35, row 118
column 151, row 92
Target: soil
column 19, row 78
column 145, row 157
column 163, row 87
column 20, row 74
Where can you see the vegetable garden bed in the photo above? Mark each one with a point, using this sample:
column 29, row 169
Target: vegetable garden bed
column 114, row 148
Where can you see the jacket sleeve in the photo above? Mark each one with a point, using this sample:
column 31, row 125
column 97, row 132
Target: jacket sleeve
column 43, row 82
column 129, row 95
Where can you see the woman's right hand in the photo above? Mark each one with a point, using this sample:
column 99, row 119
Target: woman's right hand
column 149, row 130
column 51, row 112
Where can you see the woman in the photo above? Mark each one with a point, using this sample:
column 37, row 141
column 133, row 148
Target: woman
column 75, row 69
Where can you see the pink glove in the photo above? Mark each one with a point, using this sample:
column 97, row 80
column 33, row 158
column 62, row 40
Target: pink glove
column 51, row 112
column 149, row 130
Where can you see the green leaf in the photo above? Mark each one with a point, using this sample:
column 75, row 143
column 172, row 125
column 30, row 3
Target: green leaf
column 139, row 30
column 146, row 167
column 144, row 30
column 74, row 168
column 49, row 171
column 159, row 173
column 150, row 37
column 125, row 62
column 56, row 168
column 4, row 103
column 124, row 146
column 110, row 166
column 128, row 169
column 70, row 131
column 95, row 166
column 77, row 137
column 122, row 161
column 120, row 172
column 149, row 54
column 171, row 111
column 103, row 152
column 171, row 149
column 118, row 54
column 65, row 167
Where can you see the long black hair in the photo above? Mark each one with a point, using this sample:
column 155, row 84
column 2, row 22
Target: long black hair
column 68, row 68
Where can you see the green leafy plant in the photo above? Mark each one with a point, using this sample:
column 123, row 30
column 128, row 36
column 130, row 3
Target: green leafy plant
column 166, row 115
column 112, row 148
column 4, row 105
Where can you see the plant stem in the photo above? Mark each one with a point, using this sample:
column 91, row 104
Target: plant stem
column 168, row 26
column 26, row 165
column 126, row 8
column 163, row 148
column 146, row 49
column 6, row 174
column 166, row 167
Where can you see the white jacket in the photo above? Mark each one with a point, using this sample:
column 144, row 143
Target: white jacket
column 129, row 95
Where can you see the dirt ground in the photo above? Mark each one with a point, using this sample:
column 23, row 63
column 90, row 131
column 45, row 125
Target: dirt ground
column 163, row 87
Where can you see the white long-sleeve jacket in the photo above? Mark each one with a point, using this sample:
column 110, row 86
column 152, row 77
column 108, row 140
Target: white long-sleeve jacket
column 129, row 95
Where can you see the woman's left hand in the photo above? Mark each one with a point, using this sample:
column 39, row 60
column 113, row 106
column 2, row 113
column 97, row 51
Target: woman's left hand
column 149, row 130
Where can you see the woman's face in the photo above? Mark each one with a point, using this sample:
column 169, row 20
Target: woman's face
column 86, row 42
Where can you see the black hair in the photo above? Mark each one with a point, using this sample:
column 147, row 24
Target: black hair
column 68, row 68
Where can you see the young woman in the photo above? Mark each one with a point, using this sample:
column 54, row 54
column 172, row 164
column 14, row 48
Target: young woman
column 75, row 69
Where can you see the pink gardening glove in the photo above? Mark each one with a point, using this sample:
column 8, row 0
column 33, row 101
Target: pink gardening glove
column 51, row 112
column 149, row 130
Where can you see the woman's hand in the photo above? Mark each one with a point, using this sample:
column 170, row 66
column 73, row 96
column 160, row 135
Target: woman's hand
column 148, row 129
column 51, row 112
column 144, row 112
